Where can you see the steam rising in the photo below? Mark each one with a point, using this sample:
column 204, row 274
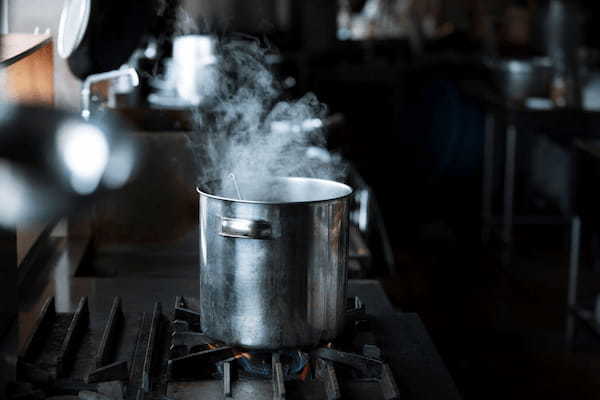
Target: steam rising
column 246, row 129
column 243, row 126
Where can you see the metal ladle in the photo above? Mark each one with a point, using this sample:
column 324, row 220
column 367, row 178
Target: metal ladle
column 236, row 186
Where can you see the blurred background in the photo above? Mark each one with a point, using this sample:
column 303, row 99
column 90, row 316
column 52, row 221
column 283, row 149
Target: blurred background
column 471, row 129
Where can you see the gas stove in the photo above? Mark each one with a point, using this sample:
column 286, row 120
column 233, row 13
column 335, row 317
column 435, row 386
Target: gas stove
column 166, row 356
column 132, row 338
column 201, row 368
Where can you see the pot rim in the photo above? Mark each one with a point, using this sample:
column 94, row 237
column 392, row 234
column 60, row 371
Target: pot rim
column 350, row 192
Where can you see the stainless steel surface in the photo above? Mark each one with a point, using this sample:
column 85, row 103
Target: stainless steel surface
column 574, row 255
column 86, row 89
column 237, row 187
column 227, row 379
column 245, row 228
column 73, row 23
column 558, row 30
column 510, row 169
column 4, row 27
column 414, row 359
column 488, row 176
column 285, row 291
column 100, row 36
column 559, row 36
column 278, row 379
column 520, row 79
column 193, row 56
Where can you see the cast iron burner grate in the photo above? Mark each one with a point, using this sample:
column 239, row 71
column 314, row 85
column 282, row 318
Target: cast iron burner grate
column 356, row 357
column 151, row 356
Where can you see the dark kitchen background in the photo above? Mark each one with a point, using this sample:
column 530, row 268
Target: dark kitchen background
column 471, row 134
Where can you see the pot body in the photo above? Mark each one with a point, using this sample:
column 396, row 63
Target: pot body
column 273, row 275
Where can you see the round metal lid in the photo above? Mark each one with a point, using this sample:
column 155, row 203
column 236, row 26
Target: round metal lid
column 74, row 20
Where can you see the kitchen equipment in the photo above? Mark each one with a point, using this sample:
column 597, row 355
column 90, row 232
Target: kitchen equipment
column 364, row 364
column 86, row 89
column 519, row 79
column 236, row 186
column 51, row 160
column 558, row 30
column 193, row 56
column 273, row 269
column 100, row 36
column 559, row 37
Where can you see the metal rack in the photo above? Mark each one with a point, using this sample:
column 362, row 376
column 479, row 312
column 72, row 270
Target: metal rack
column 575, row 311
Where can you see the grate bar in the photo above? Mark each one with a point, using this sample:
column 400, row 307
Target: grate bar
column 77, row 329
column 277, row 376
column 148, row 359
column 40, row 330
column 109, row 336
column 227, row 379
column 388, row 384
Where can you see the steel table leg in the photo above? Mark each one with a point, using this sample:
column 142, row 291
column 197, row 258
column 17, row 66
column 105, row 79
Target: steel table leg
column 574, row 253
column 488, row 176
column 509, row 182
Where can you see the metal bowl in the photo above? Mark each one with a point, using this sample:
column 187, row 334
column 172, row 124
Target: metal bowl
column 519, row 79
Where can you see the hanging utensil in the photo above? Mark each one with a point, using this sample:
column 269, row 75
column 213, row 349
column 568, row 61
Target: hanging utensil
column 97, row 36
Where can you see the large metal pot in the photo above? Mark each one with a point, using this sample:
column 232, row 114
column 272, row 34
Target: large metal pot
column 273, row 270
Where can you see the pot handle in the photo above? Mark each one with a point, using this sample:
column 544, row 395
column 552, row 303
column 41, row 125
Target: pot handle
column 245, row 228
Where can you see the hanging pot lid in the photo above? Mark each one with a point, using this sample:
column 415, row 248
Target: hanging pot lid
column 74, row 20
column 97, row 36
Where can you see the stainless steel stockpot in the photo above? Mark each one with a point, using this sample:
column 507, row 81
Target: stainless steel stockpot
column 273, row 271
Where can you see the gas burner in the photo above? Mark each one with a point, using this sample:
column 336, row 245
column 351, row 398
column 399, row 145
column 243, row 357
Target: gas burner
column 194, row 358
column 259, row 364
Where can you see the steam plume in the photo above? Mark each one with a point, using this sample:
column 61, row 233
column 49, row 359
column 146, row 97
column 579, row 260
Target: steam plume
column 246, row 129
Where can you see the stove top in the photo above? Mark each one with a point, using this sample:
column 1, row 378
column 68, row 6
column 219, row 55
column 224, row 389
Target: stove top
column 201, row 368
column 164, row 355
